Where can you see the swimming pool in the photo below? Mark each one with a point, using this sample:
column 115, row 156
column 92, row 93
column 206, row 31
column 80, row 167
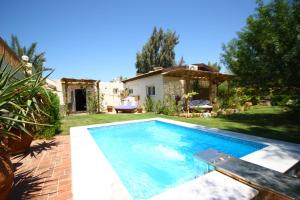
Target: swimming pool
column 152, row 156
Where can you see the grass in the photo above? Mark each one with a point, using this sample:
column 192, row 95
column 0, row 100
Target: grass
column 268, row 122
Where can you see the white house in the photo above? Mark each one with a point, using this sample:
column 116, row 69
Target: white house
column 110, row 92
column 176, row 81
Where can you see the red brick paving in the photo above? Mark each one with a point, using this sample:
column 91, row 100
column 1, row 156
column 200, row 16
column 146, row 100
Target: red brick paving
column 44, row 172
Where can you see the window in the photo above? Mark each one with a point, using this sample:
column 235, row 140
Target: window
column 130, row 91
column 115, row 91
column 150, row 90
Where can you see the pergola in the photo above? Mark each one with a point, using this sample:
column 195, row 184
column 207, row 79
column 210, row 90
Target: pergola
column 212, row 76
column 80, row 82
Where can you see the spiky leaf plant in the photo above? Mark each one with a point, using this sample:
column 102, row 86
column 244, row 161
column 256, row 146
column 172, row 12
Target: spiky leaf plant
column 19, row 106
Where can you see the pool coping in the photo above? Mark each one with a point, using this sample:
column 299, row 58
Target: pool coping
column 94, row 178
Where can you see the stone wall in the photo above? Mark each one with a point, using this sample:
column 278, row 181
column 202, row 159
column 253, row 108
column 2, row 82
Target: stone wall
column 173, row 86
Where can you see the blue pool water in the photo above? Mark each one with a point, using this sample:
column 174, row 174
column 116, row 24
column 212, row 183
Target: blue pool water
column 151, row 157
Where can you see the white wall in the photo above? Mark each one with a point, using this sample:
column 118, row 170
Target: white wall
column 139, row 87
column 58, row 89
column 109, row 98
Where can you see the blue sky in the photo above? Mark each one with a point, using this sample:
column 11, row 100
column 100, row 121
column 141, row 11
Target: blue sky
column 99, row 39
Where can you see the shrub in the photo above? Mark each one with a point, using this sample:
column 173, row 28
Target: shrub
column 158, row 107
column 92, row 103
column 255, row 99
column 223, row 96
column 293, row 106
column 149, row 104
column 51, row 108
column 280, row 99
column 237, row 96
column 170, row 106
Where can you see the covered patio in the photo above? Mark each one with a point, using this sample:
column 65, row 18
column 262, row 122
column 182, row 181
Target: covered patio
column 203, row 79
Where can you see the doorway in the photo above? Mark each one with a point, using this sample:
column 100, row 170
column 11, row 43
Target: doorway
column 80, row 99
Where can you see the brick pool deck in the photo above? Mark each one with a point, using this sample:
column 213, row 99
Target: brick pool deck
column 44, row 173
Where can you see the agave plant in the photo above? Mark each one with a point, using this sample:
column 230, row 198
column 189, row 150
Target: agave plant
column 18, row 103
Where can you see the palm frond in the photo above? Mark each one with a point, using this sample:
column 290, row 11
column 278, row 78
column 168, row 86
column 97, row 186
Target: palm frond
column 30, row 52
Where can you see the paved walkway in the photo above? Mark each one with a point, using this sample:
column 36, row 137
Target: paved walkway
column 44, row 173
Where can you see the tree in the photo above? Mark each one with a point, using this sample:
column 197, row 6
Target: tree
column 266, row 53
column 158, row 51
column 37, row 59
column 181, row 62
column 119, row 78
column 215, row 66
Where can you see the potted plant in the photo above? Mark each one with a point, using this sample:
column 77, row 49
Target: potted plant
column 31, row 102
column 6, row 174
column 139, row 109
column 8, row 119
column 109, row 108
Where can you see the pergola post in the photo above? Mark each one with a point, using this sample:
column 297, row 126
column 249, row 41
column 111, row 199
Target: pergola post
column 187, row 85
column 228, row 87
column 98, row 96
column 210, row 89
column 66, row 98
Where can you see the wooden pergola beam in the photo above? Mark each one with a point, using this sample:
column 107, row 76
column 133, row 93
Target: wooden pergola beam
column 197, row 74
column 75, row 81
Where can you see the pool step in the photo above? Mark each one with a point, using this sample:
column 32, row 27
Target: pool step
column 213, row 185
column 270, row 183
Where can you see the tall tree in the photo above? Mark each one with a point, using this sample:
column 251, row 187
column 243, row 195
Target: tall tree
column 37, row 59
column 215, row 66
column 158, row 51
column 181, row 62
column 266, row 53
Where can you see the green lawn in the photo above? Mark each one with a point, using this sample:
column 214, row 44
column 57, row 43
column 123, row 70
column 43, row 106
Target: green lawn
column 269, row 122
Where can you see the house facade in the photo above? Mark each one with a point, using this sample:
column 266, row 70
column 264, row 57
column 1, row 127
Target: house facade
column 73, row 93
column 158, row 84
column 149, row 84
column 176, row 81
column 110, row 93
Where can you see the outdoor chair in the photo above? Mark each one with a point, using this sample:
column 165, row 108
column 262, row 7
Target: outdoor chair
column 127, row 107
